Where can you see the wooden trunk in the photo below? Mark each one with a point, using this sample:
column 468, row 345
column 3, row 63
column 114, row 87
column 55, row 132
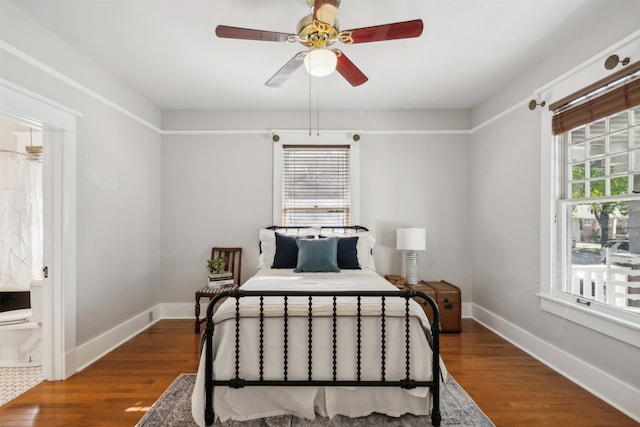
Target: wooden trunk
column 449, row 301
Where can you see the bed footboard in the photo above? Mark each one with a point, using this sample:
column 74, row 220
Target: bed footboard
column 236, row 381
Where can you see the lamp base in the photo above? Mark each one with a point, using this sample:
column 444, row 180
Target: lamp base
column 412, row 267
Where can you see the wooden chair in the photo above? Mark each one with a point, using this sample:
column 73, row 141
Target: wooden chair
column 232, row 260
column 233, row 263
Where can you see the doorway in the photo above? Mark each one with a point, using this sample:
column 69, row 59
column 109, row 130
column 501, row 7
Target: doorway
column 57, row 125
column 21, row 263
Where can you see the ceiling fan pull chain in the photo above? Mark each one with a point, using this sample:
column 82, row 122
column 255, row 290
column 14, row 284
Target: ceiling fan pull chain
column 309, row 75
column 318, row 109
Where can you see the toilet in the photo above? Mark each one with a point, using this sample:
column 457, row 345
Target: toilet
column 21, row 333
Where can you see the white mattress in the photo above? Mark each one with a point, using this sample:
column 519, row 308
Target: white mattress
column 257, row 402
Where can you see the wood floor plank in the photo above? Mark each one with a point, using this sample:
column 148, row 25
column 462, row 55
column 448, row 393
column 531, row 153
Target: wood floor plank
column 514, row 389
column 511, row 387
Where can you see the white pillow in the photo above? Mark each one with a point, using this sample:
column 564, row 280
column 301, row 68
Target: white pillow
column 365, row 245
column 268, row 242
column 267, row 248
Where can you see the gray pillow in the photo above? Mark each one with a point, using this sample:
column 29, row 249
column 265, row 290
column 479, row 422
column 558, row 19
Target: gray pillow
column 317, row 255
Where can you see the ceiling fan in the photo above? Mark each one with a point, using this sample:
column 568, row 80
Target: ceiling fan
column 317, row 32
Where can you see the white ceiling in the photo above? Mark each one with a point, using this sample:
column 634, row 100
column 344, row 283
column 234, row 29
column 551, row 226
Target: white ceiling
column 168, row 52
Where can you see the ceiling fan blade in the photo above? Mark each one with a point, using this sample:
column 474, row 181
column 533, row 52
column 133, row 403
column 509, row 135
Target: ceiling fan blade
column 227, row 32
column 325, row 11
column 397, row 30
column 283, row 74
column 349, row 71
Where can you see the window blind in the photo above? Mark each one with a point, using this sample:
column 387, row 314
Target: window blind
column 617, row 92
column 316, row 185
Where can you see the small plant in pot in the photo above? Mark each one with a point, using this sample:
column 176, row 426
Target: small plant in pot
column 216, row 265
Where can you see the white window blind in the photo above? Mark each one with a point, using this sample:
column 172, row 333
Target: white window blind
column 316, row 185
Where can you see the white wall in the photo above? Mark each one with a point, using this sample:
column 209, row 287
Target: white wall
column 118, row 174
column 419, row 181
column 217, row 189
column 8, row 137
column 506, row 220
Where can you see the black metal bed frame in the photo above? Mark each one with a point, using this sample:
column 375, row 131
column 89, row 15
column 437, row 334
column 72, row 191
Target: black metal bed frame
column 406, row 383
column 353, row 228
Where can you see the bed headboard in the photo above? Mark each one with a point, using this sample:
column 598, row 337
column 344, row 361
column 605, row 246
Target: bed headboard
column 364, row 245
column 344, row 228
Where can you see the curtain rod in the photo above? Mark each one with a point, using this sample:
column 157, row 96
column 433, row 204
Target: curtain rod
column 12, row 152
column 628, row 71
column 27, row 155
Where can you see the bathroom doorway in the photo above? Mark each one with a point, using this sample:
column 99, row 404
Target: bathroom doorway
column 21, row 257
column 21, row 206
column 57, row 124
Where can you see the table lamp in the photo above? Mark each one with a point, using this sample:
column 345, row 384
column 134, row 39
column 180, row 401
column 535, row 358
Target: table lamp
column 411, row 240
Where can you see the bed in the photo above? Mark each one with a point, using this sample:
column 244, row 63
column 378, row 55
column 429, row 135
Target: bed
column 315, row 339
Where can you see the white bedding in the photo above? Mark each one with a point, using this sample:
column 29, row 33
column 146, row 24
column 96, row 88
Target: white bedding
column 257, row 402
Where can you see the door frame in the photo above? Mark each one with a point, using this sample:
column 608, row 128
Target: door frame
column 59, row 250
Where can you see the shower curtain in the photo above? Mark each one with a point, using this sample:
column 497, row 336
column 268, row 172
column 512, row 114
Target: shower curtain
column 20, row 221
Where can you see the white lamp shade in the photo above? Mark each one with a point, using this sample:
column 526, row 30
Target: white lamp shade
column 411, row 239
column 320, row 62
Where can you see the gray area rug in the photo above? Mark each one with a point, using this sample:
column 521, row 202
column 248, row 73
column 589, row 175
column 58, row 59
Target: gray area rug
column 173, row 409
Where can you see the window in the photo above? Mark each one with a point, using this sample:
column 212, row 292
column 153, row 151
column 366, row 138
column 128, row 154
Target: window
column 598, row 152
column 314, row 184
column 601, row 210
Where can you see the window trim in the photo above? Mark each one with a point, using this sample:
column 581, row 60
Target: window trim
column 603, row 319
column 596, row 318
column 300, row 138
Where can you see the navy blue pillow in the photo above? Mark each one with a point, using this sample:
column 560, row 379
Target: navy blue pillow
column 348, row 253
column 286, row 252
column 317, row 255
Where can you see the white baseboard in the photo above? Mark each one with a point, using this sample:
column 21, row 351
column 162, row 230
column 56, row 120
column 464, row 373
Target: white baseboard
column 179, row 310
column 618, row 394
column 467, row 309
column 87, row 353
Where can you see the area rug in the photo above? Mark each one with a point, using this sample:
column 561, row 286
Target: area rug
column 173, row 409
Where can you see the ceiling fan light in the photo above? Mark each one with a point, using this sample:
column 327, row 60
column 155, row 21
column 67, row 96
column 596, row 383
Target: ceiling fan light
column 320, row 62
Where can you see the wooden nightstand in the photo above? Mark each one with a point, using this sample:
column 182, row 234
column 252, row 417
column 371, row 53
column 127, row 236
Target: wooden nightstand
column 446, row 296
column 400, row 283
column 449, row 300
column 425, row 289
column 395, row 279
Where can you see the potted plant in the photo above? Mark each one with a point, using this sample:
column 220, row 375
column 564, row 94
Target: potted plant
column 216, row 265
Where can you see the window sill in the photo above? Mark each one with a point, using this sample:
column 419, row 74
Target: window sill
column 590, row 317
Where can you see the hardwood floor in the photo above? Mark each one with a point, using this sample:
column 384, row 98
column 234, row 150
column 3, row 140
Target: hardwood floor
column 512, row 388
column 113, row 390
